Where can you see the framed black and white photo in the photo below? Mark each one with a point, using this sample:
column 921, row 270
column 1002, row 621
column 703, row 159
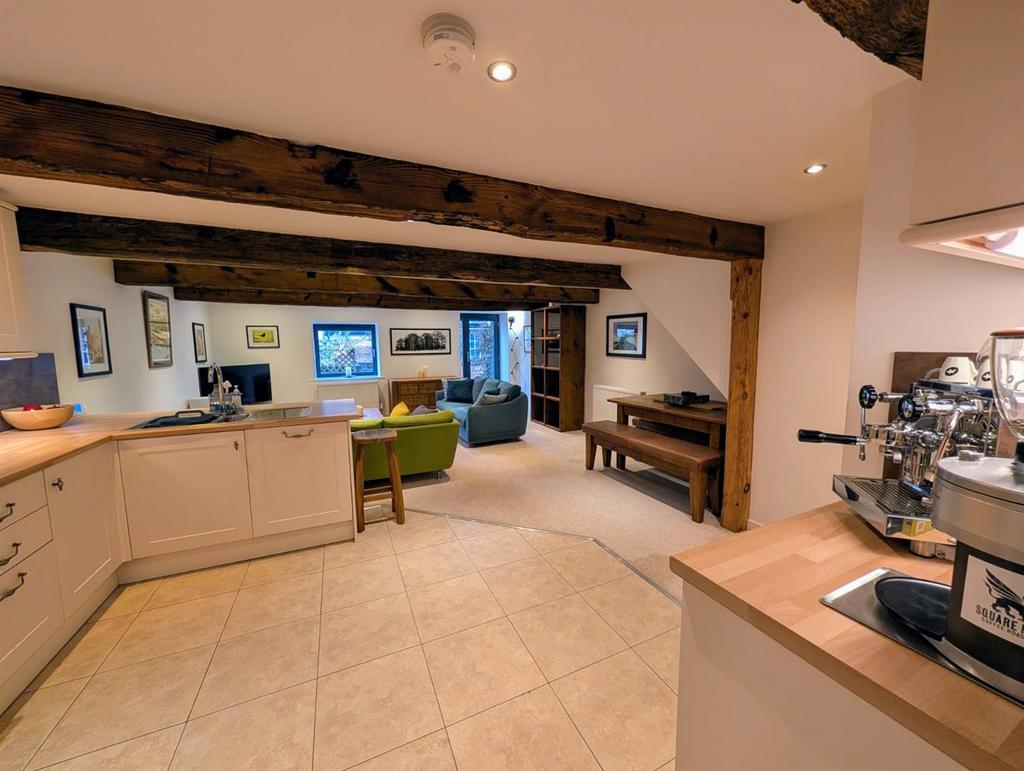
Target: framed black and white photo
column 421, row 342
column 199, row 341
column 92, row 345
column 626, row 335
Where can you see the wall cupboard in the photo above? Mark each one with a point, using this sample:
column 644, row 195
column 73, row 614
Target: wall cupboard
column 14, row 336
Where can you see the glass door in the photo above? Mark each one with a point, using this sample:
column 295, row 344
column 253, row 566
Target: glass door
column 480, row 342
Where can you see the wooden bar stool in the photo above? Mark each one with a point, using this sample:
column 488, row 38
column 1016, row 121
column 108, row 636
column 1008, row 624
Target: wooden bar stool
column 360, row 441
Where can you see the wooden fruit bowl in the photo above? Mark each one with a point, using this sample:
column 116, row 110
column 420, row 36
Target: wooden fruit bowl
column 50, row 416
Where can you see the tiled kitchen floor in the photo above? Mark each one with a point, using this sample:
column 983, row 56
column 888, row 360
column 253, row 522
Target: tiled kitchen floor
column 440, row 644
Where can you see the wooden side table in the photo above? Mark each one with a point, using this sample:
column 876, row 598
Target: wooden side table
column 360, row 441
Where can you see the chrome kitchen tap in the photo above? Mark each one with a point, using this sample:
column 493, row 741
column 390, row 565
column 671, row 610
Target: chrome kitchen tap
column 218, row 403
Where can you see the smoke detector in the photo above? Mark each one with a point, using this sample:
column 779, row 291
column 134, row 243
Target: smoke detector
column 449, row 42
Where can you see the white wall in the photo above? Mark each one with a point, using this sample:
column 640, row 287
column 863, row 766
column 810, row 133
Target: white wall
column 52, row 281
column 667, row 366
column 808, row 292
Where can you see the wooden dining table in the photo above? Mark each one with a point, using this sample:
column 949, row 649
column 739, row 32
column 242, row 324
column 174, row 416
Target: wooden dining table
column 707, row 418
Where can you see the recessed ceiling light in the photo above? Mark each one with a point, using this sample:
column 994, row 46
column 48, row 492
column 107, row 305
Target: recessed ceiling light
column 501, row 71
column 815, row 168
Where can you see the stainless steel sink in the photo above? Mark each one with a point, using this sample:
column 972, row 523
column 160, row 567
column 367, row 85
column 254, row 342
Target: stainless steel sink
column 198, row 417
column 280, row 413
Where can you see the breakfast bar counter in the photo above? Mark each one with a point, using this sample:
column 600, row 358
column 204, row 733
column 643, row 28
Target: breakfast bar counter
column 758, row 645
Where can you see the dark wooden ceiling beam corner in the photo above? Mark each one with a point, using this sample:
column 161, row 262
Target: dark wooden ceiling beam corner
column 46, row 136
column 120, row 238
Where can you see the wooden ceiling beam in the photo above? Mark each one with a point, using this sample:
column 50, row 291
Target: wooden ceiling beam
column 120, row 238
column 343, row 299
column 75, row 140
column 228, row 277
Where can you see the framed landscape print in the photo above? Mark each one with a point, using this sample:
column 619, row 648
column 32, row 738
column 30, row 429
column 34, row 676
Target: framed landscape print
column 199, row 341
column 262, row 337
column 92, row 346
column 421, row 342
column 156, row 313
column 626, row 335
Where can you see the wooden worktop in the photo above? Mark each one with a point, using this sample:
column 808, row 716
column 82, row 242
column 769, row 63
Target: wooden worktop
column 25, row 452
column 773, row 578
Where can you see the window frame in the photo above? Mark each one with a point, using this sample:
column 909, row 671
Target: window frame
column 362, row 326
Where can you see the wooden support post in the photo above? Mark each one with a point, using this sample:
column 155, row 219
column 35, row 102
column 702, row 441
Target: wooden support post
column 739, row 439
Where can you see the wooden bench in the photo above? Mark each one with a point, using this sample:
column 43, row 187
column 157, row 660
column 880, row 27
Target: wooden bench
column 694, row 462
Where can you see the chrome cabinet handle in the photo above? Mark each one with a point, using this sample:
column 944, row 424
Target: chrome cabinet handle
column 10, row 511
column 297, row 436
column 17, row 546
column 58, row 483
column 10, row 592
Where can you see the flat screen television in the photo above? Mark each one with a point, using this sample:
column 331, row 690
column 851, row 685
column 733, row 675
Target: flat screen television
column 252, row 379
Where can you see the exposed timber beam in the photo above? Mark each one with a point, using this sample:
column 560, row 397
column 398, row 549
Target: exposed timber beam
column 892, row 30
column 42, row 230
column 75, row 140
column 342, row 299
column 227, row 277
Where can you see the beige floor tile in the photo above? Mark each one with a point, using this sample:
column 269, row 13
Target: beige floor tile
column 530, row 732
column 259, row 663
column 415, row 534
column 479, row 668
column 126, row 703
column 521, row 585
column 634, row 608
column 171, row 629
column 29, row 720
column 662, row 655
column 431, row 753
column 586, row 565
column 259, row 607
column 370, row 545
column 565, row 635
column 151, row 752
column 373, row 708
column 545, row 542
column 493, row 549
column 361, row 582
column 465, row 528
column 281, row 566
column 670, row 766
column 271, row 732
column 364, row 632
column 624, row 711
column 433, row 564
column 201, row 583
column 126, row 600
column 84, row 653
column 453, row 605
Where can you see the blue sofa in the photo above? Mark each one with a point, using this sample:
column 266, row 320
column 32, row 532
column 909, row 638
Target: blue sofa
column 480, row 423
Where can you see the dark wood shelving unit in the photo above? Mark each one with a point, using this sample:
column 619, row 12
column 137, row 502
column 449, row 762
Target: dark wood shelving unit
column 557, row 366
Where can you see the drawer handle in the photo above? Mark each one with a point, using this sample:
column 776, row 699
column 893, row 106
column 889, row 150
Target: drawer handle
column 10, row 511
column 58, row 483
column 297, row 436
column 17, row 546
column 10, row 592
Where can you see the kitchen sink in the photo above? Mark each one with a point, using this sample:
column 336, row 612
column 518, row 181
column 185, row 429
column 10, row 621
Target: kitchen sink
column 280, row 413
column 199, row 418
column 182, row 418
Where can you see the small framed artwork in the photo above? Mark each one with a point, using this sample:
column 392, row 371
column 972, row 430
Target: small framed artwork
column 156, row 313
column 199, row 341
column 421, row 342
column 626, row 335
column 92, row 345
column 263, row 336
column 527, row 339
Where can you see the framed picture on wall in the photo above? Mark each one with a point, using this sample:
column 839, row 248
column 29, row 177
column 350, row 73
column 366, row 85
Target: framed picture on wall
column 92, row 345
column 626, row 335
column 199, row 341
column 268, row 336
column 156, row 314
column 421, row 342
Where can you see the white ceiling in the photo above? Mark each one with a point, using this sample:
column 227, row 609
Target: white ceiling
column 712, row 106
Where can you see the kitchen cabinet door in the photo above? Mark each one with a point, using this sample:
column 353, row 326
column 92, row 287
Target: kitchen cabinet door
column 80, row 498
column 184, row 492
column 299, row 477
column 14, row 335
column 30, row 609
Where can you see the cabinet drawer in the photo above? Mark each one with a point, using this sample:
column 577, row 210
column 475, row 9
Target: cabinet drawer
column 24, row 538
column 21, row 498
column 31, row 612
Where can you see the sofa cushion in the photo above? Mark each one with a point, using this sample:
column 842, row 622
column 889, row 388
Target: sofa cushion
column 364, row 424
column 423, row 410
column 444, row 416
column 492, row 398
column 399, row 410
column 482, row 385
column 509, row 390
column 459, row 390
column 460, row 411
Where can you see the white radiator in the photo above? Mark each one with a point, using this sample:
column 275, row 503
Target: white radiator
column 602, row 408
column 367, row 393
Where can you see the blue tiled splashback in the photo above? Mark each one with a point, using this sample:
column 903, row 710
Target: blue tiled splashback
column 28, row 381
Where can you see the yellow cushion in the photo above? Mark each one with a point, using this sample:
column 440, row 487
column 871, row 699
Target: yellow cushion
column 400, row 410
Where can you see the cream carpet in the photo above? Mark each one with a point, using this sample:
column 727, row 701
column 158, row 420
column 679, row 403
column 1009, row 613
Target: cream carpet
column 540, row 482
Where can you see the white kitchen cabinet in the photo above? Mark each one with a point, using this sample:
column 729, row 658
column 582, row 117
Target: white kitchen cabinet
column 184, row 492
column 20, row 498
column 299, row 477
column 30, row 608
column 80, row 498
column 14, row 335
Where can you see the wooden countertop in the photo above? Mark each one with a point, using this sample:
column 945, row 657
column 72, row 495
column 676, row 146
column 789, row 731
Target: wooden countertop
column 25, row 452
column 773, row 578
